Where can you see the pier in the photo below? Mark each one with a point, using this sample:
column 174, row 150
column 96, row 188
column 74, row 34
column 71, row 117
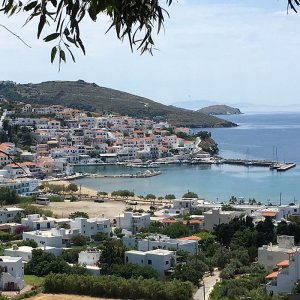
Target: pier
column 145, row 174
column 272, row 165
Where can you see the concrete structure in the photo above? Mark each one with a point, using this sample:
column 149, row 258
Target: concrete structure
column 133, row 222
column 217, row 216
column 36, row 222
column 90, row 227
column 56, row 237
column 7, row 214
column 160, row 260
column 25, row 252
column 187, row 203
column 270, row 255
column 12, row 278
column 161, row 242
column 89, row 259
column 288, row 274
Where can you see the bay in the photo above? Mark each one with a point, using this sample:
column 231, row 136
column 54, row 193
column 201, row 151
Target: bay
column 256, row 137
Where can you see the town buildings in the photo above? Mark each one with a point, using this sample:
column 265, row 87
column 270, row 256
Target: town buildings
column 270, row 255
column 12, row 277
column 160, row 260
column 133, row 222
column 156, row 241
column 89, row 227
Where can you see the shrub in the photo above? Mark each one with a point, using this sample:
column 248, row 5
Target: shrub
column 117, row 287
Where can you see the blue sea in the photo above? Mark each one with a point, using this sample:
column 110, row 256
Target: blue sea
column 258, row 136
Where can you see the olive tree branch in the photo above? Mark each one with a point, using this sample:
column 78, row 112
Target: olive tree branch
column 17, row 36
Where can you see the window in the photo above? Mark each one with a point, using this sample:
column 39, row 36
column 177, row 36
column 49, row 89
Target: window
column 167, row 262
column 149, row 262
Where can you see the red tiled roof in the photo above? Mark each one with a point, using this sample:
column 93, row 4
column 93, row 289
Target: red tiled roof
column 284, row 263
column 193, row 222
column 271, row 214
column 190, row 238
column 272, row 275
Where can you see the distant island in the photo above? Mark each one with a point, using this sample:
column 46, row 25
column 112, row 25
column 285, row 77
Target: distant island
column 220, row 110
column 91, row 97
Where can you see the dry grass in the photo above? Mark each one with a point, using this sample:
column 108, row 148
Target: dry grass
column 64, row 297
column 109, row 209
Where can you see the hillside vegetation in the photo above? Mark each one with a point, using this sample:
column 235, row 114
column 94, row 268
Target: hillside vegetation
column 220, row 110
column 91, row 97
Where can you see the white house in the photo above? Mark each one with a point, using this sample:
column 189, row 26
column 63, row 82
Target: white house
column 217, row 216
column 90, row 227
column 160, row 260
column 25, row 252
column 270, row 255
column 185, row 203
column 283, row 280
column 56, row 237
column 7, row 214
column 12, row 278
column 89, row 259
column 36, row 222
column 133, row 222
column 161, row 242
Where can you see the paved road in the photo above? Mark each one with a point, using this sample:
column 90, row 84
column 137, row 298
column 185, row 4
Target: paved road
column 209, row 284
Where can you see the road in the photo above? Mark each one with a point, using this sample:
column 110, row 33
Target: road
column 209, row 283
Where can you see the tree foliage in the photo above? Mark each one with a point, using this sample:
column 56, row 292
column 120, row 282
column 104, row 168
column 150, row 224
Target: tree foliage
column 44, row 263
column 133, row 19
column 130, row 271
column 118, row 288
column 78, row 214
column 72, row 187
column 8, row 196
column 190, row 195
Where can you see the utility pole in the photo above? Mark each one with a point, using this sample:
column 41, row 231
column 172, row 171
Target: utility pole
column 203, row 290
column 280, row 199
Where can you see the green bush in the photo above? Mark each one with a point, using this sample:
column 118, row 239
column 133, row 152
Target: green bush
column 117, row 287
column 56, row 198
column 130, row 270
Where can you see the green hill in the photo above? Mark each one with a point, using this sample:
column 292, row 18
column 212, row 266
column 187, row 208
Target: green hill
column 91, row 97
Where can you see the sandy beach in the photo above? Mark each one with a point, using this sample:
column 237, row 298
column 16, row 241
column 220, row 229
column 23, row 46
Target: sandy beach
column 84, row 190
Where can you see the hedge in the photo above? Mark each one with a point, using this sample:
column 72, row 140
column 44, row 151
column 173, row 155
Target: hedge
column 117, row 287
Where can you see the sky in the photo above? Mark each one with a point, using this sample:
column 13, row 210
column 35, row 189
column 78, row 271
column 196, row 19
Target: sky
column 242, row 53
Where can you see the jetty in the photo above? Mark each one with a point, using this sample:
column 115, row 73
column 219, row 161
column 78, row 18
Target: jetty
column 145, row 174
column 281, row 167
column 272, row 165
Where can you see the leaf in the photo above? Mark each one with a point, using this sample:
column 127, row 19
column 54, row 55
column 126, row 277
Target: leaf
column 30, row 6
column 62, row 55
column 53, row 53
column 51, row 37
column 41, row 25
column 73, row 58
column 70, row 40
column 81, row 45
column 54, row 2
